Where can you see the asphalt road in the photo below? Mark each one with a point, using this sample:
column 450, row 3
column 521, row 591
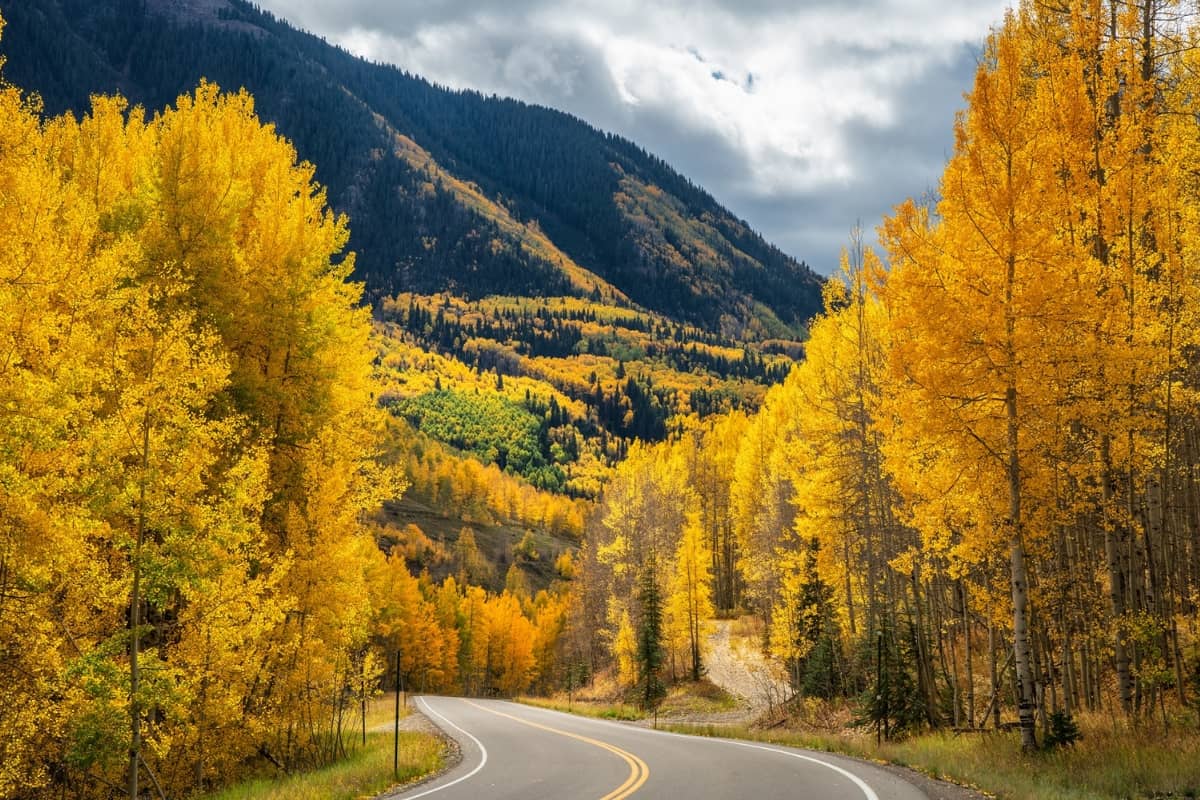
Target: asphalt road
column 516, row 751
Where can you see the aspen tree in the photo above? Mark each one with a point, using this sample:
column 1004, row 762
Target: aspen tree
column 689, row 601
column 981, row 304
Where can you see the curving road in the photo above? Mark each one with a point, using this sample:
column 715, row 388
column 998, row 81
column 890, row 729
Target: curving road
column 516, row 751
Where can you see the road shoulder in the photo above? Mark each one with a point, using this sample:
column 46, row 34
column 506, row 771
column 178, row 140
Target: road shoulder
column 418, row 722
column 934, row 788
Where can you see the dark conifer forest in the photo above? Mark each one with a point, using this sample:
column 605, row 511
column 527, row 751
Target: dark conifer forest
column 475, row 179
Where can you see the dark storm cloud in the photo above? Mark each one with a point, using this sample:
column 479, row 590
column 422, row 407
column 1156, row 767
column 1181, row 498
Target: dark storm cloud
column 801, row 117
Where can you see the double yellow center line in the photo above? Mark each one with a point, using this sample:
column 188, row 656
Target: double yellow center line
column 638, row 771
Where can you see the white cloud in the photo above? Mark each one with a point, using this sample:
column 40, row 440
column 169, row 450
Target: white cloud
column 822, row 108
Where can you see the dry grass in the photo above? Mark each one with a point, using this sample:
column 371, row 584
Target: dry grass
column 1112, row 760
column 604, row 700
column 382, row 709
column 366, row 772
column 696, row 699
column 598, row 709
column 1107, row 763
column 701, row 697
column 749, row 627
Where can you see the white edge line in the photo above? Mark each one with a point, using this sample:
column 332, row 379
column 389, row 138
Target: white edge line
column 863, row 785
column 479, row 744
column 866, row 789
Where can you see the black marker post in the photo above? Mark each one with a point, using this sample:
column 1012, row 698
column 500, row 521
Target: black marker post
column 396, row 729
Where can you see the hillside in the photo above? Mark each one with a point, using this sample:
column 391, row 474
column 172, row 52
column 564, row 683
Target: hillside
column 545, row 294
column 448, row 191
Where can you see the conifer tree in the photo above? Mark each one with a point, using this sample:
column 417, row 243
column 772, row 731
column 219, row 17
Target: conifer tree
column 651, row 689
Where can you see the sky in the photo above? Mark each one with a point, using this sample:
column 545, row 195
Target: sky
column 801, row 116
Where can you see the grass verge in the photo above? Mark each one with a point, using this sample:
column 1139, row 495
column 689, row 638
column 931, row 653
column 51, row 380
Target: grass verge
column 1109, row 762
column 700, row 697
column 365, row 772
column 683, row 699
column 1113, row 760
column 586, row 708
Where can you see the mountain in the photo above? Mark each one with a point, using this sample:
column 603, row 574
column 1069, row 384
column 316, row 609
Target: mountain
column 446, row 190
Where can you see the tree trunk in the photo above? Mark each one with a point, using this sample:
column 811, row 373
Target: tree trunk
column 966, row 623
column 1114, row 543
column 135, row 617
column 1019, row 581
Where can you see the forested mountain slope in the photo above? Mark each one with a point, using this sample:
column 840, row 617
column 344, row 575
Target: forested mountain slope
column 447, row 190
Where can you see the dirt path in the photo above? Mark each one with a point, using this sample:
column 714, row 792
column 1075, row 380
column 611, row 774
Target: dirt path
column 738, row 667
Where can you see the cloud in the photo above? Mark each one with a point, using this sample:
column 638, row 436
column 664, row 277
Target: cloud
column 802, row 117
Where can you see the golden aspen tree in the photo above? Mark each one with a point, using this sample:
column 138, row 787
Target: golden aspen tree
column 641, row 516
column 235, row 209
column 1179, row 224
column 473, row 568
column 187, row 449
column 549, row 617
column 1126, row 197
column 157, row 432
column 565, row 567
column 54, row 300
column 689, row 599
column 446, row 602
column 20, row 723
column 171, row 490
column 419, row 622
column 515, row 582
column 474, row 664
column 838, row 561
column 131, row 381
column 510, row 638
column 982, row 305
column 228, row 609
column 711, row 449
column 623, row 537
column 624, row 648
column 761, row 498
column 843, row 499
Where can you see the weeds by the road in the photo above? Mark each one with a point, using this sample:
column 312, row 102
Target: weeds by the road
column 1108, row 763
column 365, row 772
column 587, row 708
column 700, row 697
column 683, row 700
column 1111, row 761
